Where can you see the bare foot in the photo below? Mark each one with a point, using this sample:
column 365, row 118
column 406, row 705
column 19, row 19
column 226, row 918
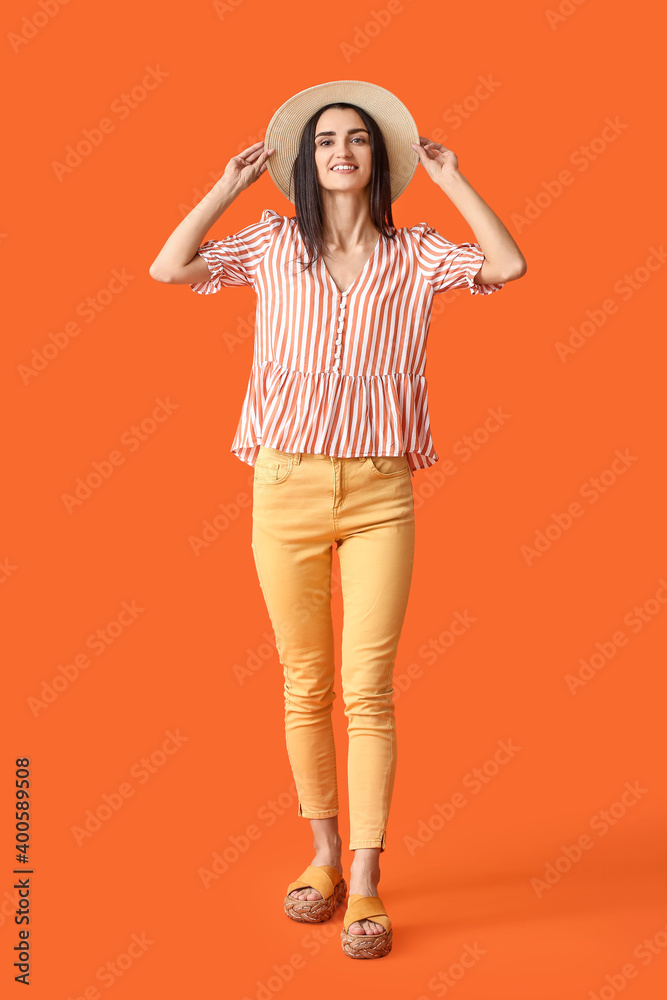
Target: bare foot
column 365, row 881
column 324, row 856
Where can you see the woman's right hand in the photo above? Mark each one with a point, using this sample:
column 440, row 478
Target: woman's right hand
column 244, row 169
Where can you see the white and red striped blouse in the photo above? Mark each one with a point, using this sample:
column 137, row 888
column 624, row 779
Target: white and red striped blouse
column 339, row 373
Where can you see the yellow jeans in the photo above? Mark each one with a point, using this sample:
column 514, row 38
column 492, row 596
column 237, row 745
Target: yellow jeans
column 303, row 505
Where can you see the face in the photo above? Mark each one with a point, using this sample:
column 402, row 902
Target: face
column 346, row 142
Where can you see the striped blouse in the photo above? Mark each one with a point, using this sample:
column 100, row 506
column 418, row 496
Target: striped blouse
column 339, row 373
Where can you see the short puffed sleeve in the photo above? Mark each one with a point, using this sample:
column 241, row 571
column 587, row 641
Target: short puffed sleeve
column 448, row 265
column 234, row 260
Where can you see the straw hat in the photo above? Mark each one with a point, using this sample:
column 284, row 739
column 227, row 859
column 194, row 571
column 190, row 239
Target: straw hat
column 394, row 120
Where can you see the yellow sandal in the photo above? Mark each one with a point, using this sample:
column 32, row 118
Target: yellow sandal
column 366, row 945
column 328, row 882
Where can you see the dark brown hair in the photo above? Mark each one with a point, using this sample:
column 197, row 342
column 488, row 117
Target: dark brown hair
column 307, row 199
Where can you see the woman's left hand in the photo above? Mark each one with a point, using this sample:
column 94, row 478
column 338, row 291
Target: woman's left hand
column 436, row 159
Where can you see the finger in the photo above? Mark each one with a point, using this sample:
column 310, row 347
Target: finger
column 250, row 149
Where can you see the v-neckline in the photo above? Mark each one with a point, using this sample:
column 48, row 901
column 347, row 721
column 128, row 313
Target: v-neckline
column 359, row 276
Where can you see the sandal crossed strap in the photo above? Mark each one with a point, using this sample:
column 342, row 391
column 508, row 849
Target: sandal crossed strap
column 323, row 879
column 366, row 945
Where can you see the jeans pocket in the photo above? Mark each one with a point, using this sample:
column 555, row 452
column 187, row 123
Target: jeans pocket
column 389, row 466
column 271, row 469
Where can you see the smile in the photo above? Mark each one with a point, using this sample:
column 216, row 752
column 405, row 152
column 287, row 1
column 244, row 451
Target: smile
column 344, row 167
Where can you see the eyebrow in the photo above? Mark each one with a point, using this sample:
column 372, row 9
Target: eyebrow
column 349, row 132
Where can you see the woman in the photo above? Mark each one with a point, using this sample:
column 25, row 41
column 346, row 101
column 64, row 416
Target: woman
column 335, row 423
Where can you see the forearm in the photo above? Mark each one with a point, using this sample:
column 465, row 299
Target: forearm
column 492, row 235
column 184, row 242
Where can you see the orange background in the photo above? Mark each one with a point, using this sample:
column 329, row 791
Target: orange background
column 173, row 667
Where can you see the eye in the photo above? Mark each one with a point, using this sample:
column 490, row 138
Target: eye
column 355, row 138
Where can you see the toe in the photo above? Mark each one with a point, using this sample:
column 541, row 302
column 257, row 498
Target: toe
column 306, row 893
column 365, row 927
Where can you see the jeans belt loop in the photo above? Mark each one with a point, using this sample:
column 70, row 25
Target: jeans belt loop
column 297, row 457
